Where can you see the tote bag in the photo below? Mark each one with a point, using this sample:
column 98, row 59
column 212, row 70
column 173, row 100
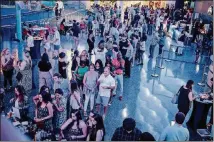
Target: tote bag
column 175, row 97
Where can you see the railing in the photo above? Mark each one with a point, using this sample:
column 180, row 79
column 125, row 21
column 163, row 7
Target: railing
column 44, row 15
column 77, row 15
column 7, row 2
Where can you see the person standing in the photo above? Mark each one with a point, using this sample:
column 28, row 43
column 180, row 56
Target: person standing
column 129, row 54
column 128, row 132
column 30, row 42
column 62, row 83
column 90, row 41
column 141, row 46
column 90, row 87
column 97, row 132
column 63, row 64
column 45, row 74
column 59, row 104
column 76, row 32
column 56, row 41
column 106, row 84
column 24, row 68
column 76, row 129
column 60, row 7
column 100, row 52
column 185, row 97
column 44, row 112
column 176, row 132
column 118, row 63
column 153, row 44
column 7, row 67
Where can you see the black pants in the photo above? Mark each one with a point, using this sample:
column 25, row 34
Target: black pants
column 8, row 77
column 160, row 49
column 127, row 67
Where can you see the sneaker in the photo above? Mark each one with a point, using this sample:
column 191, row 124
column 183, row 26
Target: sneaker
column 120, row 98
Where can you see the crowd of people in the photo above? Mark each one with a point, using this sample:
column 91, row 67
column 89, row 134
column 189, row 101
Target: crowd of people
column 62, row 105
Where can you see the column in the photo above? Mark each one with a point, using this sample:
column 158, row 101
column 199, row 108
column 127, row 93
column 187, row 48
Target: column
column 19, row 31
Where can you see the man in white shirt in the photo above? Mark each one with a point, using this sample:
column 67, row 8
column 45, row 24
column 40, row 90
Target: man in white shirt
column 30, row 42
column 176, row 132
column 56, row 40
column 100, row 52
column 106, row 84
column 60, row 6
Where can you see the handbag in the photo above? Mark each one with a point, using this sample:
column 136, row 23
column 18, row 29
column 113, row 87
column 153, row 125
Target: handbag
column 19, row 76
column 175, row 97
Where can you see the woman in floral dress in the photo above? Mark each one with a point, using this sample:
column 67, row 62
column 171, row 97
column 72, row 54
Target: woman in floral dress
column 60, row 108
column 24, row 68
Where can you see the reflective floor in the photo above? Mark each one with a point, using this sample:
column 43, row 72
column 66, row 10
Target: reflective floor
column 147, row 99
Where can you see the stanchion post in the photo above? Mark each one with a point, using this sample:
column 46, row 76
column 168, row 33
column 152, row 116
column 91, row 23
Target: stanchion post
column 161, row 64
column 168, row 54
column 202, row 84
column 154, row 74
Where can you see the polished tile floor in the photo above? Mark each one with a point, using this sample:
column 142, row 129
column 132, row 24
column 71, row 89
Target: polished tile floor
column 147, row 99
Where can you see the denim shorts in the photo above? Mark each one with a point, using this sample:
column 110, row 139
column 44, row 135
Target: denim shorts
column 102, row 99
column 56, row 47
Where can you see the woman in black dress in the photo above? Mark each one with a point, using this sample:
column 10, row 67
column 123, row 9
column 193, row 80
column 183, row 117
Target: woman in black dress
column 185, row 97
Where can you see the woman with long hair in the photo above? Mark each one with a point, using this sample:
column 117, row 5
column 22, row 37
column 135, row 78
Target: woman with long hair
column 99, row 67
column 90, row 87
column 44, row 112
column 43, row 88
column 59, row 103
column 20, row 101
column 90, row 41
column 45, row 74
column 7, row 67
column 84, row 57
column 74, row 129
column 74, row 100
column 185, row 97
column 82, row 69
column 98, row 130
column 24, row 68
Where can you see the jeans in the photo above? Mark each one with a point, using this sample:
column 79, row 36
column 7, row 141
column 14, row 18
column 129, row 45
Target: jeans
column 140, row 59
column 160, row 49
column 119, row 80
column 149, row 32
column 89, row 96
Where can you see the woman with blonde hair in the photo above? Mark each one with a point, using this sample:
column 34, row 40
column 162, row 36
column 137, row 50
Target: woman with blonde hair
column 24, row 67
column 7, row 67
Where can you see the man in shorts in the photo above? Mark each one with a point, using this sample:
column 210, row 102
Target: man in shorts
column 106, row 84
column 56, row 41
